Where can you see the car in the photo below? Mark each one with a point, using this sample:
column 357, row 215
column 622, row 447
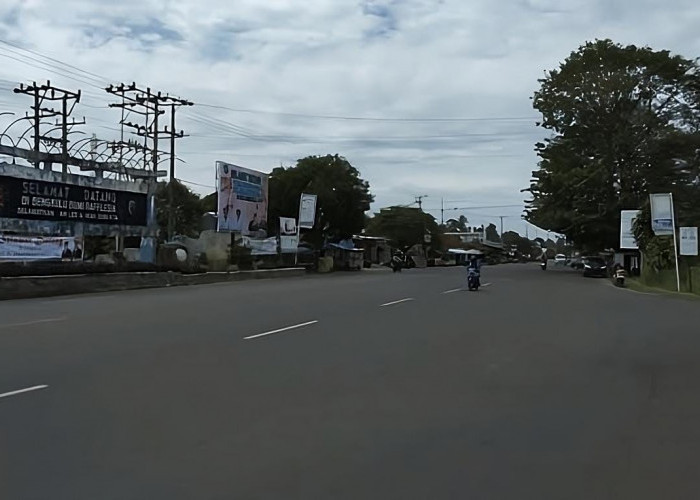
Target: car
column 595, row 266
column 560, row 259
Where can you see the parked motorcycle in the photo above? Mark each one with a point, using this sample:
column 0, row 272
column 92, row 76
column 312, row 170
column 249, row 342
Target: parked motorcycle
column 619, row 277
column 543, row 265
column 397, row 263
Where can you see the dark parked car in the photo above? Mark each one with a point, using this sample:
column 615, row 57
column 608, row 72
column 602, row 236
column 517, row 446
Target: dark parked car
column 595, row 266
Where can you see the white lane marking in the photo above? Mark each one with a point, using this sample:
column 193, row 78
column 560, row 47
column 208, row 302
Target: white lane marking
column 396, row 302
column 293, row 327
column 452, row 291
column 486, row 284
column 35, row 322
column 22, row 391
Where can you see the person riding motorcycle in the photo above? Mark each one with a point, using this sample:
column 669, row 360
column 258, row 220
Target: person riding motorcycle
column 473, row 272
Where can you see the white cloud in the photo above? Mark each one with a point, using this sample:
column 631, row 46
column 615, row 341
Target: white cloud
column 376, row 58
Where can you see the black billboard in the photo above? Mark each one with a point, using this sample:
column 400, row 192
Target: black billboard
column 55, row 201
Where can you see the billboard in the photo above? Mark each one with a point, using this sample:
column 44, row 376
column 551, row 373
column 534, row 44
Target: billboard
column 22, row 248
column 35, row 199
column 689, row 240
column 242, row 197
column 307, row 211
column 288, row 235
column 627, row 239
column 662, row 214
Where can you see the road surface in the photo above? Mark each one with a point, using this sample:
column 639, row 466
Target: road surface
column 542, row 385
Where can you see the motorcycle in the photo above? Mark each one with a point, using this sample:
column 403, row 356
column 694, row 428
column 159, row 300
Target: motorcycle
column 543, row 265
column 620, row 276
column 473, row 279
column 397, row 263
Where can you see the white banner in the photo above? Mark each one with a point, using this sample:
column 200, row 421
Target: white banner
column 288, row 244
column 35, row 248
column 689, row 240
column 267, row 246
column 662, row 214
column 288, row 226
column 627, row 239
column 307, row 211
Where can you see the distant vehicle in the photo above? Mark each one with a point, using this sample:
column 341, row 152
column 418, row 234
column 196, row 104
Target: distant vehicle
column 595, row 266
column 560, row 258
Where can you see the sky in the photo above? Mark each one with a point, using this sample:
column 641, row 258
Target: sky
column 424, row 97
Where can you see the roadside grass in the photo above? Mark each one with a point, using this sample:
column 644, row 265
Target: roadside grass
column 637, row 286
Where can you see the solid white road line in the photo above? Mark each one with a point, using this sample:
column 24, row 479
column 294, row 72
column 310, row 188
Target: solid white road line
column 294, row 327
column 35, row 322
column 486, row 284
column 452, row 291
column 396, row 302
column 22, row 391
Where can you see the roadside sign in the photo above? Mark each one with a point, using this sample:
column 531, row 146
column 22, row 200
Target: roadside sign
column 307, row 211
column 627, row 239
column 661, row 214
column 689, row 240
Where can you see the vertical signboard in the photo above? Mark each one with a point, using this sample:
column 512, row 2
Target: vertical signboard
column 307, row 211
column 689, row 240
column 662, row 214
column 242, row 194
column 288, row 235
column 627, row 239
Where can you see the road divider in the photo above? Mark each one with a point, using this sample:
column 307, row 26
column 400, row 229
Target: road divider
column 280, row 330
column 396, row 302
column 23, row 391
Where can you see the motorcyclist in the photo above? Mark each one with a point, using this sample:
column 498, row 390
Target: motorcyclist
column 474, row 268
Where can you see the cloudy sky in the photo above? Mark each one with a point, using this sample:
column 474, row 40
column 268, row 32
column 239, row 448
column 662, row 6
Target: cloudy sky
column 424, row 97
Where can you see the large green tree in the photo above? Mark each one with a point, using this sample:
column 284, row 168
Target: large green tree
column 343, row 196
column 624, row 122
column 404, row 226
column 187, row 209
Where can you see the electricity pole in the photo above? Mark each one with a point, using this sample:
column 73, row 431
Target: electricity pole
column 419, row 200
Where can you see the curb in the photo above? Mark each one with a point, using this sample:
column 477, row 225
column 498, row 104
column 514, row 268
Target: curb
column 29, row 287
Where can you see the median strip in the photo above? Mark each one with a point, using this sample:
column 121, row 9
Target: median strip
column 22, row 391
column 293, row 327
column 396, row 302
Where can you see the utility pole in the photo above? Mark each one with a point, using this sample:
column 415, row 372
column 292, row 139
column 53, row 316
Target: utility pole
column 48, row 92
column 501, row 217
column 174, row 104
column 442, row 211
column 419, row 200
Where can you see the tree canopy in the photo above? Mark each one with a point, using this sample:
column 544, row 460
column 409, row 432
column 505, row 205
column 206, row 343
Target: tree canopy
column 625, row 122
column 404, row 226
column 187, row 208
column 343, row 196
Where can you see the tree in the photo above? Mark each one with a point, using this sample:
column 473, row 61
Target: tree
column 210, row 203
column 187, row 208
column 343, row 197
column 404, row 226
column 491, row 233
column 522, row 245
column 622, row 120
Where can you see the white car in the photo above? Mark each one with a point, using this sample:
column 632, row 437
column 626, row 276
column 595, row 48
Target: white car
column 560, row 258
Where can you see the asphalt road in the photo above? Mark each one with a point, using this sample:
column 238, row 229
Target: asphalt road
column 542, row 385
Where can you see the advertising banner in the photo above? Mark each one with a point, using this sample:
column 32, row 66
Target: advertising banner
column 627, row 239
column 689, row 240
column 55, row 201
column 307, row 211
column 288, row 226
column 267, row 246
column 21, row 248
column 662, row 214
column 242, row 199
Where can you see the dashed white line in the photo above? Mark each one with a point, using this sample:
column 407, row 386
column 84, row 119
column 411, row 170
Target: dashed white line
column 396, row 302
column 22, row 391
column 30, row 323
column 452, row 291
column 486, row 284
column 293, row 327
